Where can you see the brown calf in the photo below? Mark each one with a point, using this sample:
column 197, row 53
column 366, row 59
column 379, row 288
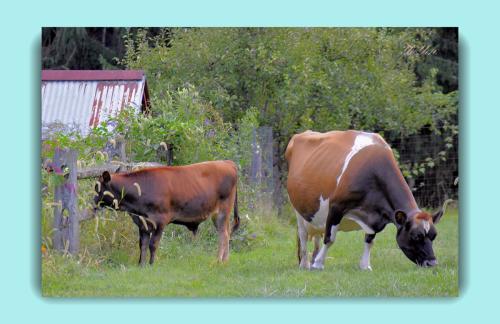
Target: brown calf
column 186, row 195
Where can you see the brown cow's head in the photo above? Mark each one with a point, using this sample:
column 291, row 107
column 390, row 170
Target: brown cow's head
column 415, row 235
column 104, row 196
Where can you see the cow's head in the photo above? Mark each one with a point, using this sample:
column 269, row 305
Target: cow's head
column 415, row 235
column 104, row 197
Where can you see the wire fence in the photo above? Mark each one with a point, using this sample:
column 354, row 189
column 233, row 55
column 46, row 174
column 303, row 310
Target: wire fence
column 429, row 163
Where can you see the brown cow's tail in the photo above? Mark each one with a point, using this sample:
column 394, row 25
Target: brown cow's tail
column 298, row 247
column 236, row 217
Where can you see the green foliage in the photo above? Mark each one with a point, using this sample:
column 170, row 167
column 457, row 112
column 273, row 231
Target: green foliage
column 182, row 119
column 298, row 78
column 87, row 48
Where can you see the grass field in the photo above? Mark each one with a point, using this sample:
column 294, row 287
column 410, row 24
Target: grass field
column 262, row 263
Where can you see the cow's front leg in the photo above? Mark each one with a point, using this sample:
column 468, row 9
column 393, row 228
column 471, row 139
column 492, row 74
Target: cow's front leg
column 364, row 263
column 143, row 245
column 155, row 241
column 317, row 242
column 332, row 222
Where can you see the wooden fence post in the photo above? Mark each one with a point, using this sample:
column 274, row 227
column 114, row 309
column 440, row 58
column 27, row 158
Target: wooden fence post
column 165, row 153
column 170, row 154
column 255, row 165
column 66, row 235
column 261, row 166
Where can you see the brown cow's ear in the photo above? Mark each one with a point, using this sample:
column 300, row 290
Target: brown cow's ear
column 400, row 217
column 106, row 177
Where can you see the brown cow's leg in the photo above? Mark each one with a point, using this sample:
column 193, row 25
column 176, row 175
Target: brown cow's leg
column 222, row 224
column 143, row 245
column 225, row 256
column 154, row 242
column 302, row 242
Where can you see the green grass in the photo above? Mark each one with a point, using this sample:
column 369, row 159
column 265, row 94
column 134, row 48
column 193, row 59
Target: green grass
column 262, row 263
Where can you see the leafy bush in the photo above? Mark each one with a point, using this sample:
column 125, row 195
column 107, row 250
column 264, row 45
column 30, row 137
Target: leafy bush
column 309, row 78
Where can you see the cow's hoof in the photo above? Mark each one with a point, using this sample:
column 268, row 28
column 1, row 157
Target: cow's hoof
column 317, row 267
column 304, row 266
column 365, row 267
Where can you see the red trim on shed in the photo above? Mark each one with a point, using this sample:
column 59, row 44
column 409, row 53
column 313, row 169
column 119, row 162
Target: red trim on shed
column 91, row 75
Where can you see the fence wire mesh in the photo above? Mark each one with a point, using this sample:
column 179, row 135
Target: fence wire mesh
column 429, row 163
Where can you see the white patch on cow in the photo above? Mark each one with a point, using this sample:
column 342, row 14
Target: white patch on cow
column 319, row 218
column 426, row 225
column 364, row 227
column 361, row 141
column 364, row 263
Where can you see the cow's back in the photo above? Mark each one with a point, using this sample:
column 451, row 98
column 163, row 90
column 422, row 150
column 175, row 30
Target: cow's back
column 316, row 162
column 189, row 192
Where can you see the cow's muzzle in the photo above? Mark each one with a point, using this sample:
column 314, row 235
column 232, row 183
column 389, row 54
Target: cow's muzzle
column 429, row 263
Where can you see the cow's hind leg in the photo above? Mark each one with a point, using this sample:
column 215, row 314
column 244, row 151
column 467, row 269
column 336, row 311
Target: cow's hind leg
column 302, row 242
column 155, row 241
column 364, row 263
column 222, row 224
column 332, row 222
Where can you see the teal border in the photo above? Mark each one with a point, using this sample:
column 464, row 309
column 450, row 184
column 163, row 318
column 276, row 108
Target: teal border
column 479, row 159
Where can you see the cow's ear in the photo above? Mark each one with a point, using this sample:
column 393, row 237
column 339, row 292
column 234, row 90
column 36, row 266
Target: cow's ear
column 400, row 217
column 106, row 177
column 436, row 217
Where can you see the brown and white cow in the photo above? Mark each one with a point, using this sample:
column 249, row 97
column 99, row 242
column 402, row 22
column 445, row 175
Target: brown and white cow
column 350, row 180
column 186, row 195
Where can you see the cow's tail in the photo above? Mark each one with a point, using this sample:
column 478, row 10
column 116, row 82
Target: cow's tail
column 236, row 217
column 298, row 247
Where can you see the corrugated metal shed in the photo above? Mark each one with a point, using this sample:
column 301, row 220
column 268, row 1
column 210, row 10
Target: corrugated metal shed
column 81, row 99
